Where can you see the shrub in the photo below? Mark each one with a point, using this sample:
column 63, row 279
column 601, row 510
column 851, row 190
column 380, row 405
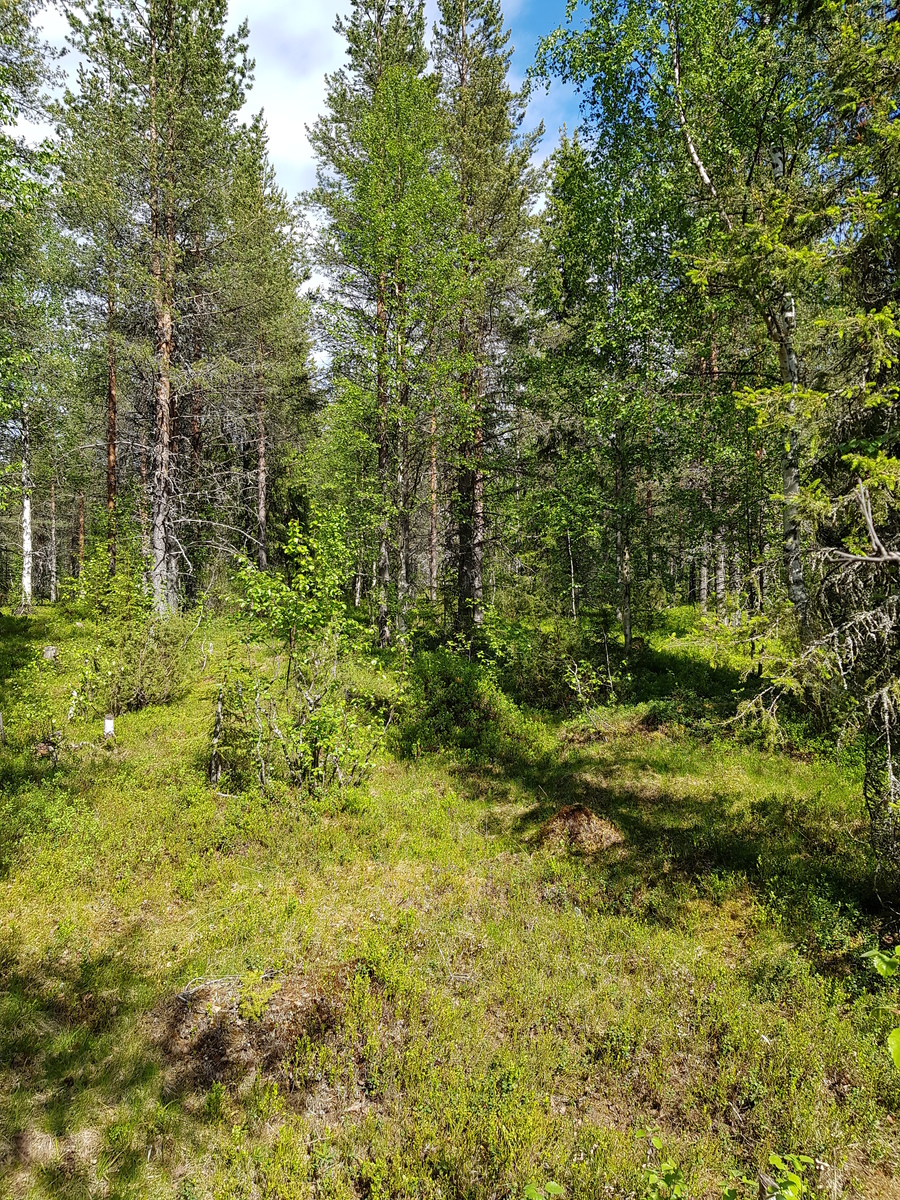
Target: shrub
column 455, row 703
column 304, row 730
column 137, row 662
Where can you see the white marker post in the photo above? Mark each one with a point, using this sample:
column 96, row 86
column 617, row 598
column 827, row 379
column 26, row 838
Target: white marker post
column 108, row 729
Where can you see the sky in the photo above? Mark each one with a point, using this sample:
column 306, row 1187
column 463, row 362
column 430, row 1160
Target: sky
column 294, row 45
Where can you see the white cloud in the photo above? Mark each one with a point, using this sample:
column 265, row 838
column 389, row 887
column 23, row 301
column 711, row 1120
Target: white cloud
column 294, row 46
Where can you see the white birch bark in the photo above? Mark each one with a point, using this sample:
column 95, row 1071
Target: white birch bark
column 27, row 545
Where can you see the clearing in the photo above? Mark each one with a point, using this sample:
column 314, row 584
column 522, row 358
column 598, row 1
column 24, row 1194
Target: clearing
column 460, row 980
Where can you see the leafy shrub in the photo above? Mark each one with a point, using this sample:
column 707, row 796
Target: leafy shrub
column 310, row 597
column 531, row 659
column 138, row 658
column 304, row 729
column 887, row 966
column 94, row 593
column 455, row 703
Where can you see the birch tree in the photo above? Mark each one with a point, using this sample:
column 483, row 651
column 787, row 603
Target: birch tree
column 731, row 97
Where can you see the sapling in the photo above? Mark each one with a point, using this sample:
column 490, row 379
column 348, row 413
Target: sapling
column 887, row 966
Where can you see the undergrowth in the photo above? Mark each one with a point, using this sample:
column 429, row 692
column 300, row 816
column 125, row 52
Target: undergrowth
column 213, row 989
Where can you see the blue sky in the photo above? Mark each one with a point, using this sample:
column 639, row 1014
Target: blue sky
column 294, row 46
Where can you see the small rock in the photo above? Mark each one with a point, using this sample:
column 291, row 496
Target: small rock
column 50, row 653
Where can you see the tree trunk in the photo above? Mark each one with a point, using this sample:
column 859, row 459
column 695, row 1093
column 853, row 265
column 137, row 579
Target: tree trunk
column 261, row 477
column 80, row 534
column 404, row 547
column 571, row 574
column 470, row 496
column 27, row 545
column 478, row 528
column 196, row 390
column 626, row 597
column 196, row 431
column 111, row 437
column 53, row 570
column 704, row 573
column 623, row 563
column 144, row 514
column 384, row 559
column 162, row 466
column 790, row 475
column 720, row 573
column 623, row 557
column 403, row 563
column 433, row 522
column 162, row 225
column 159, row 506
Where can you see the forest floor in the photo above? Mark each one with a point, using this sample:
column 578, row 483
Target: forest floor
column 439, row 985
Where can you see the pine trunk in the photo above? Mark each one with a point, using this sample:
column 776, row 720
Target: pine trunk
column 80, row 535
column 53, row 568
column 384, row 560
column 470, row 501
column 433, row 522
column 111, row 439
column 478, row 529
column 196, row 393
column 144, row 514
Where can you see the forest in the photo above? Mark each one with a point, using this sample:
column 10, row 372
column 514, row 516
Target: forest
column 449, row 632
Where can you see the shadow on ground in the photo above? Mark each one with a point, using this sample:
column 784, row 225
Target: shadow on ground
column 790, row 848
column 71, row 1045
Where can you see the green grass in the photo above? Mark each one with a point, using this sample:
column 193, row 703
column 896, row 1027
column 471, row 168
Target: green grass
column 407, row 994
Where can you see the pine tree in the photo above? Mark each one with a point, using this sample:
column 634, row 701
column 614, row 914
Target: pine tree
column 24, row 231
column 262, row 320
column 169, row 83
column 389, row 247
column 489, row 161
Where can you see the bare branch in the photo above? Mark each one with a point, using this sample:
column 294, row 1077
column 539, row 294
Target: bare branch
column 880, row 553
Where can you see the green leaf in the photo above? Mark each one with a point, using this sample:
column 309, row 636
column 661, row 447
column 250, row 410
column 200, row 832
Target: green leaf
column 553, row 1189
column 886, row 965
column 893, row 1045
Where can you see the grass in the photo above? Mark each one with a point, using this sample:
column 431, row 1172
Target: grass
column 402, row 992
